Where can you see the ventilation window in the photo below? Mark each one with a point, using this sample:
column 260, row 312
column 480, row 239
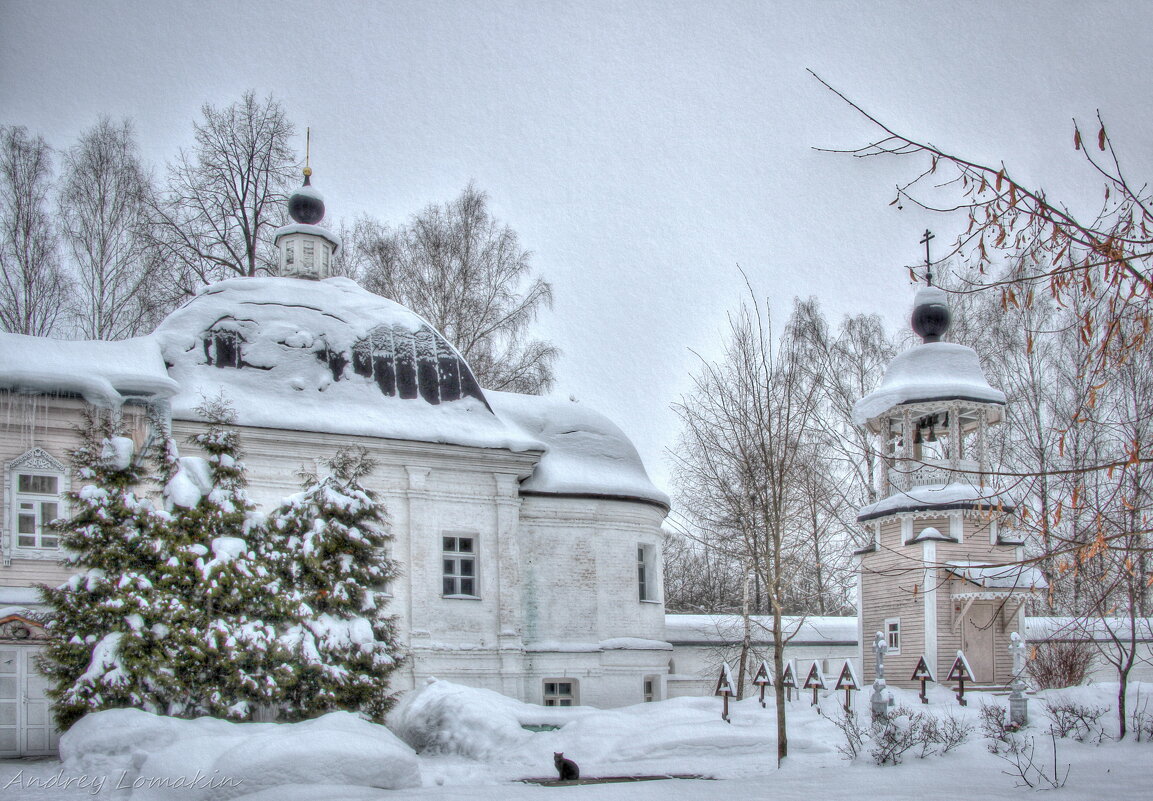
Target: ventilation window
column 414, row 364
column 222, row 348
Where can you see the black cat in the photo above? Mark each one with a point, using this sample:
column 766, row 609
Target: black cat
column 567, row 769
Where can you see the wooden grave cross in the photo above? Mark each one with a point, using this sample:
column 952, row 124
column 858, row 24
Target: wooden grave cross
column 961, row 673
column 763, row 679
column 923, row 673
column 848, row 682
column 725, row 689
column 815, row 681
column 789, row 679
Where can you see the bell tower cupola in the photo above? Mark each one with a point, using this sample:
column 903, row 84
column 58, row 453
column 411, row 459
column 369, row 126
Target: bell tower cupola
column 305, row 248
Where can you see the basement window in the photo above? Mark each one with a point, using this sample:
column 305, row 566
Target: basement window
column 560, row 692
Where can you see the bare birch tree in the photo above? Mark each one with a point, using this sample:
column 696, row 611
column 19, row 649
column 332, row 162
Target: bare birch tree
column 743, row 433
column 467, row 274
column 122, row 287
column 33, row 289
column 225, row 196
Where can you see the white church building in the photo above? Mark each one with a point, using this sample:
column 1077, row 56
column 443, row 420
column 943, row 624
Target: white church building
column 528, row 533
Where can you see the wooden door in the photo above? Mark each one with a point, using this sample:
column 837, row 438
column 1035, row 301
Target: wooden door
column 977, row 631
column 26, row 727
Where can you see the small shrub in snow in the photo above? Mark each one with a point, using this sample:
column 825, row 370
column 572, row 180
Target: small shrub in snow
column 894, row 734
column 940, row 735
column 1002, row 735
column 1141, row 720
column 855, row 735
column 1026, row 770
column 1008, row 742
column 1079, row 721
column 1054, row 665
column 887, row 739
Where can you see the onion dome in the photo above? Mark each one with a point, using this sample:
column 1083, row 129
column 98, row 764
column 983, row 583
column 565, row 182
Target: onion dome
column 306, row 205
column 931, row 314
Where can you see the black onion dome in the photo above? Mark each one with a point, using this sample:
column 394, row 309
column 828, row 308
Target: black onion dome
column 306, row 205
column 931, row 315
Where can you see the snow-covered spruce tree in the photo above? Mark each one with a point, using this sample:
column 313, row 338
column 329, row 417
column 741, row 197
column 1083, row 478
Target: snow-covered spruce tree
column 106, row 635
column 224, row 600
column 329, row 544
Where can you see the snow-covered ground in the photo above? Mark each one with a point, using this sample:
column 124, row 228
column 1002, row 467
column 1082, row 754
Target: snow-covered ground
column 475, row 745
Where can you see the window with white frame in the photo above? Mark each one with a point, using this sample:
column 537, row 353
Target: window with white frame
column 36, row 502
column 560, row 692
column 646, row 573
column 289, row 252
column 652, row 685
column 893, row 634
column 460, row 567
column 309, row 250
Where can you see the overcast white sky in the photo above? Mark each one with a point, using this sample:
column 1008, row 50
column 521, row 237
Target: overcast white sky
column 642, row 150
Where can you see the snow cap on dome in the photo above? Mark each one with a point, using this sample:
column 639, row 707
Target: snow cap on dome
column 931, row 371
column 928, row 372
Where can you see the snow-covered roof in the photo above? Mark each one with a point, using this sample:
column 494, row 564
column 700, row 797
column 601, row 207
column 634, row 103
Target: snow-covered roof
column 102, row 372
column 305, row 228
column 936, row 496
column 928, row 372
column 998, row 577
column 585, row 452
column 711, row 629
column 326, row 356
column 330, row 357
column 1072, row 628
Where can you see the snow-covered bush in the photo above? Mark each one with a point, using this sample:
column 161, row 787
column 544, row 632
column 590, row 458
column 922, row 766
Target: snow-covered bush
column 1002, row 735
column 109, row 623
column 203, row 608
column 445, row 718
column 327, row 546
column 172, row 609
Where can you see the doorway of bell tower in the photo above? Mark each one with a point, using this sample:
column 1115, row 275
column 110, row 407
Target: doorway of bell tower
column 977, row 632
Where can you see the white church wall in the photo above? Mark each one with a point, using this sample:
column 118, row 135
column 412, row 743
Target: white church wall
column 580, row 579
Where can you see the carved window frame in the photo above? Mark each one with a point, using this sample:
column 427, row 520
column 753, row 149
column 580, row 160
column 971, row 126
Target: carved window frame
column 35, row 461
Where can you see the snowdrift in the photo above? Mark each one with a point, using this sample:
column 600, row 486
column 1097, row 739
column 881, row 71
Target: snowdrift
column 158, row 757
column 447, row 719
